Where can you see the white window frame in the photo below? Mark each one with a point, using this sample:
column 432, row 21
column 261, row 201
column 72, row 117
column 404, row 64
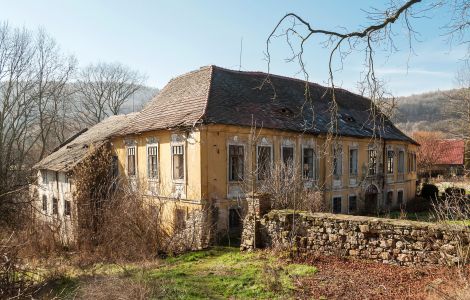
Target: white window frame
column 335, row 156
column 228, row 161
column 44, row 177
column 376, row 160
column 314, row 162
column 353, row 148
column 287, row 143
column 150, row 145
column 263, row 143
column 393, row 161
column 135, row 161
column 177, row 144
column 349, row 196
column 400, row 150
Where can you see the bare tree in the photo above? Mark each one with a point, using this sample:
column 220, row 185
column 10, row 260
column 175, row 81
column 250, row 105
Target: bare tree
column 33, row 77
column 430, row 150
column 104, row 88
column 53, row 74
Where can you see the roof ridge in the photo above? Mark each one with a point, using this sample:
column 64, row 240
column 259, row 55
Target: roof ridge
column 204, row 111
column 190, row 73
column 283, row 77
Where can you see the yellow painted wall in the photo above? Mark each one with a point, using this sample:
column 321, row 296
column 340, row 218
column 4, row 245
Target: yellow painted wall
column 206, row 162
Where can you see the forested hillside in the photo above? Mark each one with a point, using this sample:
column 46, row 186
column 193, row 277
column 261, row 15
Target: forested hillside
column 425, row 112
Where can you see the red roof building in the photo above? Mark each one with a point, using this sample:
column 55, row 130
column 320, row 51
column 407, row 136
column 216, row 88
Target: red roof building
column 452, row 152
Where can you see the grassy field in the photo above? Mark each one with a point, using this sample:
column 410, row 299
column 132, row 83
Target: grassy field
column 219, row 273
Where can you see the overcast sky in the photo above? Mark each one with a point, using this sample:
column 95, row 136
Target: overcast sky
column 166, row 38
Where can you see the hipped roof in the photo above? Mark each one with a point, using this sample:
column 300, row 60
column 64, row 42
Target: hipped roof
column 214, row 95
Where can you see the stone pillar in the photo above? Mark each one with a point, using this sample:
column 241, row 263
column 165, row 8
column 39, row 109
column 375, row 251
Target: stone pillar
column 257, row 206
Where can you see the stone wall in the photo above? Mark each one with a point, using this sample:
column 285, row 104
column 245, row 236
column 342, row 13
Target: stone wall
column 389, row 241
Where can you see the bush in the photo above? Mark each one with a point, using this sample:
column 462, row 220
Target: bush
column 429, row 191
column 418, row 204
column 454, row 191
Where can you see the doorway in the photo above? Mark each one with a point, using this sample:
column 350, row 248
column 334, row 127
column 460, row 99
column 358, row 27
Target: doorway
column 371, row 199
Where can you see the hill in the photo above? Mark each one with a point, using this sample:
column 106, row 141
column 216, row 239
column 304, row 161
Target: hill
column 427, row 111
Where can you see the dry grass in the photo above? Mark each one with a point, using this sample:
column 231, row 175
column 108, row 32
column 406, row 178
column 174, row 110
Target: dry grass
column 340, row 278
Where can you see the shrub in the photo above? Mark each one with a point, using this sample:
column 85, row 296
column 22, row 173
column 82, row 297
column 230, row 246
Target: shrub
column 418, row 204
column 429, row 191
column 454, row 191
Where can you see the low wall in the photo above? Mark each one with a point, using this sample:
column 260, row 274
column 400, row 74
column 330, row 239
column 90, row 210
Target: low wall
column 390, row 241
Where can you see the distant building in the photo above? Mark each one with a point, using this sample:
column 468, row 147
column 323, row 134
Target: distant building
column 451, row 158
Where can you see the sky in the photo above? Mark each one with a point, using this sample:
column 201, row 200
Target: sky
column 163, row 39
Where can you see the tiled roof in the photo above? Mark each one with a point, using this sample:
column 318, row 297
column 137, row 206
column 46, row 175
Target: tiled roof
column 214, row 95
column 76, row 149
column 452, row 152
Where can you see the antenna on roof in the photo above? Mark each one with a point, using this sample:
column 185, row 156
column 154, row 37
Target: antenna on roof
column 241, row 51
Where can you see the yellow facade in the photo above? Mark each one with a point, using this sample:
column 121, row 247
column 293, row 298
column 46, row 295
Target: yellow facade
column 206, row 164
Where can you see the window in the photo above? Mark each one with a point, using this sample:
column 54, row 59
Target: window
column 353, row 161
column 115, row 166
column 67, row 208
column 287, row 155
column 234, row 218
column 180, row 219
column 55, row 206
column 390, row 155
column 400, row 197
column 264, row 161
column 236, row 159
column 372, row 155
column 308, row 170
column 414, row 162
column 44, row 203
column 336, row 205
column 152, row 161
column 352, row 203
column 178, row 162
column 401, row 162
column 337, row 161
column 44, row 177
column 131, row 167
column 389, row 199
column 409, row 162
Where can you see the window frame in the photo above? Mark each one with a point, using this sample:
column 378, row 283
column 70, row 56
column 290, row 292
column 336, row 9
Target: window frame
column 282, row 153
column 183, row 147
column 147, row 148
column 333, row 204
column 369, row 151
column 45, row 203
column 402, row 191
column 356, row 150
column 229, row 166
column 55, row 206
column 386, row 197
column 314, row 162
column 67, row 208
column 44, row 177
column 401, row 163
column 335, row 150
column 390, row 161
column 134, row 148
column 257, row 159
column 349, row 203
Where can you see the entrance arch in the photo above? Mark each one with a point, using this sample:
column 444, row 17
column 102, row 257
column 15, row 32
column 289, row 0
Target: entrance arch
column 371, row 198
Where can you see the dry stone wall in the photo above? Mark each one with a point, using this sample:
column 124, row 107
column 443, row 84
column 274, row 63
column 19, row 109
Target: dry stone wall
column 389, row 241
